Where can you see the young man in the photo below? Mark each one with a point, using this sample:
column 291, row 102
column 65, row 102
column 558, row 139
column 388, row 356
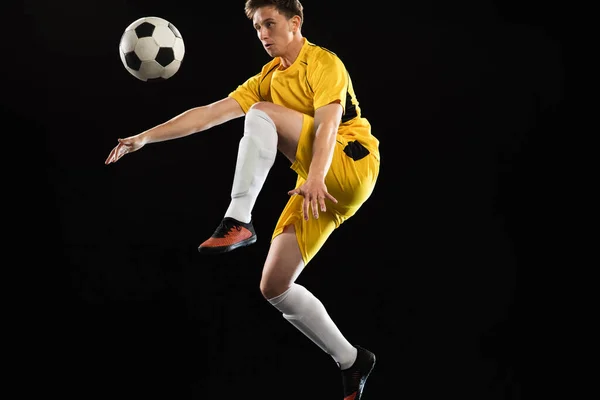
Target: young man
column 303, row 104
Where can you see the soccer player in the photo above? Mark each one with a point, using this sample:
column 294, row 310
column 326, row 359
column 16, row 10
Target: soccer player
column 303, row 104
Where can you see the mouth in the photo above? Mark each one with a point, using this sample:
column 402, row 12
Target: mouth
column 268, row 45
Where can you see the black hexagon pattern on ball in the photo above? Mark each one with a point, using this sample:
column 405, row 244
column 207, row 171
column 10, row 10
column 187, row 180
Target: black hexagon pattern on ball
column 133, row 61
column 144, row 29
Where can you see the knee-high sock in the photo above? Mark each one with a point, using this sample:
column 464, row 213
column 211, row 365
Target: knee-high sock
column 256, row 155
column 303, row 310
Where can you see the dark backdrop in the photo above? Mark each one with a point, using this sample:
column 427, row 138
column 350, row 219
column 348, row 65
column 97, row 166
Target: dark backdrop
column 434, row 274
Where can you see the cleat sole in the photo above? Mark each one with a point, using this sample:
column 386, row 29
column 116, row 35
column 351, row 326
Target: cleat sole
column 227, row 249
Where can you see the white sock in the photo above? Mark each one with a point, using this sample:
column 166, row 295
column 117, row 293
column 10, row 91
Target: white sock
column 303, row 310
column 256, row 155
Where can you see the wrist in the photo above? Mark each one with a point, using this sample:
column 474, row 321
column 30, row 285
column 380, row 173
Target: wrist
column 315, row 176
column 144, row 138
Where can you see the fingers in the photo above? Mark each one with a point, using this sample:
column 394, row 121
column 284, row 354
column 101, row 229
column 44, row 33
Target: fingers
column 314, row 207
column 312, row 203
column 305, row 204
column 111, row 156
column 330, row 197
column 322, row 204
column 318, row 204
column 118, row 151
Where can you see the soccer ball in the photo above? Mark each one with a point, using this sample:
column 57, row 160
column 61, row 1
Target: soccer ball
column 151, row 48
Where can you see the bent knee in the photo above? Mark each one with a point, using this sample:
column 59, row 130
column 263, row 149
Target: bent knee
column 263, row 106
column 271, row 288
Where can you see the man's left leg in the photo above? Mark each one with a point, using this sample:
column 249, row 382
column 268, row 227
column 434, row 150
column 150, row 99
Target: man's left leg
column 308, row 314
column 296, row 241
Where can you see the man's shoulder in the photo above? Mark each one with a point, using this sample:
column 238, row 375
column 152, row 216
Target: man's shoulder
column 320, row 51
column 320, row 55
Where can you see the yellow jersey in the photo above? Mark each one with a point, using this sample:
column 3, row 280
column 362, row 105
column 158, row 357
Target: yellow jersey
column 316, row 78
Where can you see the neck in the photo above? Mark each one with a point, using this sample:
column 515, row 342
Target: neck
column 293, row 50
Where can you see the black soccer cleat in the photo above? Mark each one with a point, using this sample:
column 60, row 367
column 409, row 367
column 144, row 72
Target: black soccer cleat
column 355, row 377
column 229, row 235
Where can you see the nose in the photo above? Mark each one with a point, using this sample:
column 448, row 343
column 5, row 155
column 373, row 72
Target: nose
column 262, row 34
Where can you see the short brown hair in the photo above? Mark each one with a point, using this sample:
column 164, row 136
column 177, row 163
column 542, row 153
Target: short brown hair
column 288, row 8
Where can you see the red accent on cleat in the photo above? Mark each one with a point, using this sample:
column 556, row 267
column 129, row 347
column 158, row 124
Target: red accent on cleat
column 229, row 235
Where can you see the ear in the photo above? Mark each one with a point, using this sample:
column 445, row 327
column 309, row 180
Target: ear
column 296, row 23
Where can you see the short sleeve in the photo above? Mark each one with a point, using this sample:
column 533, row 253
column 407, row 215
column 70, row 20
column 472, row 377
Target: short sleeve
column 329, row 81
column 247, row 93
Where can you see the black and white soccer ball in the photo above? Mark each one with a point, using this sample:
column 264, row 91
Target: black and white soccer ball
column 151, row 48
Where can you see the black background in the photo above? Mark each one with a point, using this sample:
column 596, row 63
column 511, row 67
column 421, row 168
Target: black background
column 439, row 274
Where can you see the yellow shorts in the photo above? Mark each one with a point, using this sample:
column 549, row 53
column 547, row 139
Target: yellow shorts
column 350, row 181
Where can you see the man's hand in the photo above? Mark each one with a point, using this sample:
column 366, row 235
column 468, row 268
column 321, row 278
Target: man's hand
column 125, row 146
column 314, row 192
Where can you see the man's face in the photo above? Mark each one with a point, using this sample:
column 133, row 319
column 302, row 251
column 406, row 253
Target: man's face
column 274, row 30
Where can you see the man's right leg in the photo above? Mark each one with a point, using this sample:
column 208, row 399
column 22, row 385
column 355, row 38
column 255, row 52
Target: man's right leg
column 256, row 155
column 267, row 127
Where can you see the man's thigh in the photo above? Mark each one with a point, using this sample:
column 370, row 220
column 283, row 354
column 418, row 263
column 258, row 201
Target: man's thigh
column 289, row 124
column 312, row 234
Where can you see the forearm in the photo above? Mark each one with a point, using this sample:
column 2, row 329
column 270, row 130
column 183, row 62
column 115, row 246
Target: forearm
column 189, row 122
column 323, row 147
